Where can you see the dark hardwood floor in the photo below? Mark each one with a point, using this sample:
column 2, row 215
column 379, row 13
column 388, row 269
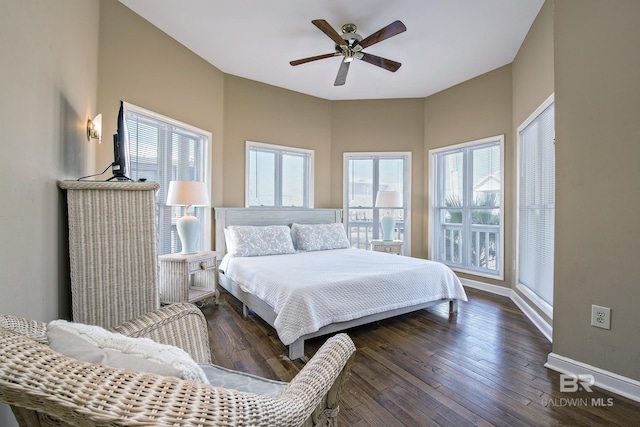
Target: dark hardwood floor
column 483, row 366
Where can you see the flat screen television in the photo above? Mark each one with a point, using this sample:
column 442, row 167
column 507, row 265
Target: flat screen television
column 120, row 165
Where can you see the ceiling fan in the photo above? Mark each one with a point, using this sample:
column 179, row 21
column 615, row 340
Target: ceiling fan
column 350, row 44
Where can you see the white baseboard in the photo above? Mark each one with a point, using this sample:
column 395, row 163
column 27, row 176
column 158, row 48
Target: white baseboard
column 606, row 380
column 541, row 324
column 538, row 321
column 494, row 289
column 614, row 383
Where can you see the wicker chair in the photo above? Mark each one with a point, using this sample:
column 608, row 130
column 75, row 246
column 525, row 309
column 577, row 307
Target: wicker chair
column 45, row 388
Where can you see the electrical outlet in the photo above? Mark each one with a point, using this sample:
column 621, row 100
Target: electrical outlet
column 601, row 317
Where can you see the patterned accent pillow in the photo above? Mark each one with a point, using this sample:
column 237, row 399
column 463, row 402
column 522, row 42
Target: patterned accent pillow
column 319, row 237
column 249, row 240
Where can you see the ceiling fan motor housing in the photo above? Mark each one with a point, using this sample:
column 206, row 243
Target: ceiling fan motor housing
column 349, row 35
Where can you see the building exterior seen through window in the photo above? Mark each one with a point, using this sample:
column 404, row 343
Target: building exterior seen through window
column 278, row 176
column 364, row 175
column 466, row 197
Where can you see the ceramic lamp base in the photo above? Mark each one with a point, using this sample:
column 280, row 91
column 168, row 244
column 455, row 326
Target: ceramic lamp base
column 188, row 229
column 387, row 223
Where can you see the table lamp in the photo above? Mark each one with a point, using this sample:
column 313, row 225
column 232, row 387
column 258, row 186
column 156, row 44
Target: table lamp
column 188, row 193
column 388, row 199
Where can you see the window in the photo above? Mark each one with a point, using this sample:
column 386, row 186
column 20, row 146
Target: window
column 466, row 206
column 162, row 150
column 536, row 206
column 364, row 175
column 278, row 176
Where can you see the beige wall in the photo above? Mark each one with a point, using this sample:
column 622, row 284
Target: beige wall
column 262, row 113
column 141, row 65
column 51, row 83
column 478, row 108
column 532, row 79
column 48, row 81
column 532, row 68
column 597, row 70
column 381, row 125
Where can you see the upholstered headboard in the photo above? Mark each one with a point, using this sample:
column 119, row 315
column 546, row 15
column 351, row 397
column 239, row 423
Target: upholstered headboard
column 224, row 217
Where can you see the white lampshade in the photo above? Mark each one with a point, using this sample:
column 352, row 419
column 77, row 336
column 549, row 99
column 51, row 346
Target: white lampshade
column 388, row 199
column 188, row 193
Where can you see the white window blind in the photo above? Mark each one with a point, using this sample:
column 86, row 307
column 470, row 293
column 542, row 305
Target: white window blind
column 162, row 150
column 536, row 203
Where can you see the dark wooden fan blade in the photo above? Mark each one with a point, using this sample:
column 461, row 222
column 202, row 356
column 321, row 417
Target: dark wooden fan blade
column 313, row 58
column 390, row 30
column 329, row 31
column 387, row 64
column 341, row 78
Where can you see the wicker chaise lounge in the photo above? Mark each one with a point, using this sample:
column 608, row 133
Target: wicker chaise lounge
column 45, row 388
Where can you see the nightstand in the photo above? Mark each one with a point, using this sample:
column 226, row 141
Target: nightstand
column 388, row 246
column 188, row 278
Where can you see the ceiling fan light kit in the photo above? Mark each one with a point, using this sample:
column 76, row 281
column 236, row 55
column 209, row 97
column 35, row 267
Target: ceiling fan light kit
column 350, row 44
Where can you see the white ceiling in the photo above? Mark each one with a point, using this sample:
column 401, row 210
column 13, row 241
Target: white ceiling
column 446, row 42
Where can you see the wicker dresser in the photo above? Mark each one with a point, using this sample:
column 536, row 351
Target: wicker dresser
column 112, row 250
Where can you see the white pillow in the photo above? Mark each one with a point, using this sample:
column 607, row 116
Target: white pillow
column 228, row 242
column 93, row 344
column 249, row 240
column 318, row 237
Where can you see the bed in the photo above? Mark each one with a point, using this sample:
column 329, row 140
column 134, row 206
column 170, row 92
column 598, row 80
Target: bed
column 317, row 284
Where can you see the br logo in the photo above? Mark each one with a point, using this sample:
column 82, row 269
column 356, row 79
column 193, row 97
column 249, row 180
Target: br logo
column 570, row 383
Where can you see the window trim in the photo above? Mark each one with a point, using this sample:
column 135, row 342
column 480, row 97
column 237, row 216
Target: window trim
column 407, row 187
column 309, row 190
column 433, row 192
column 541, row 304
column 205, row 222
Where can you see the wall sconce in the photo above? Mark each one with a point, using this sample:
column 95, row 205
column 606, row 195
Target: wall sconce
column 94, row 128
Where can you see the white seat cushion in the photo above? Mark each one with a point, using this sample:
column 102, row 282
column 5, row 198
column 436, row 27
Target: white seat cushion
column 241, row 381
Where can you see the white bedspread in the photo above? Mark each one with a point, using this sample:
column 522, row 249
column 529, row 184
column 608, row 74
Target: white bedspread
column 309, row 290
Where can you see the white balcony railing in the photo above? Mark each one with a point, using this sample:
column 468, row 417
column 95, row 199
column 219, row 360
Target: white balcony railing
column 482, row 252
column 360, row 233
